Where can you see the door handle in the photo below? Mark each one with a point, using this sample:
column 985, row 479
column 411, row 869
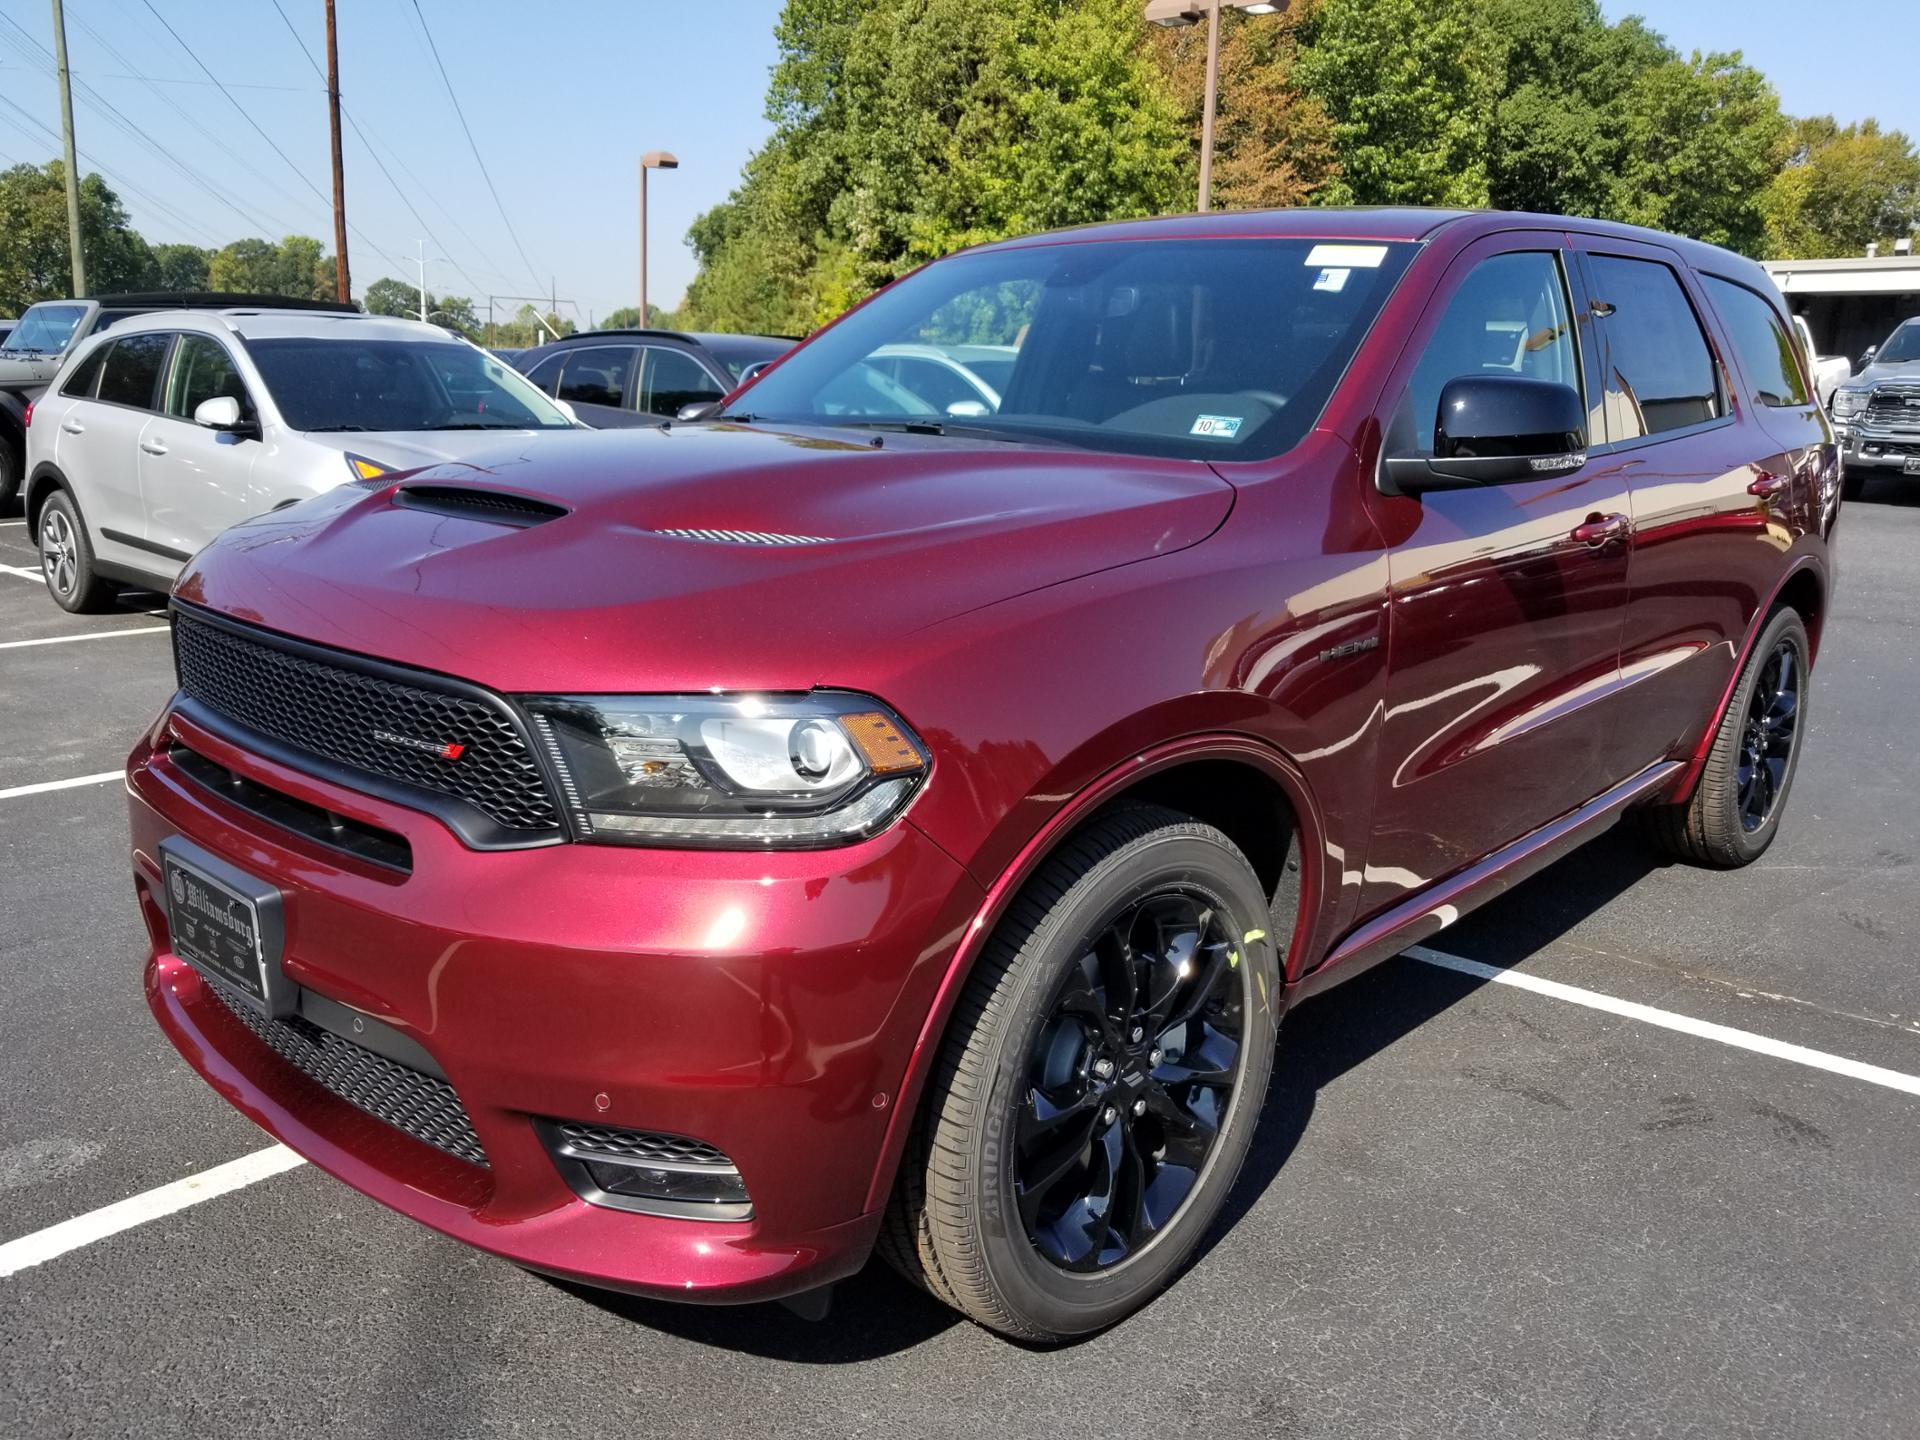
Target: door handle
column 1768, row 486
column 1600, row 531
column 153, row 447
column 73, row 427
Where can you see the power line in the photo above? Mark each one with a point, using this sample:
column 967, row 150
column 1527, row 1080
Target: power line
column 468, row 130
column 323, row 199
column 404, row 198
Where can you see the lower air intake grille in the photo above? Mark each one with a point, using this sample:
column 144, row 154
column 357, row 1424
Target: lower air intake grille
column 422, row 1106
column 637, row 1145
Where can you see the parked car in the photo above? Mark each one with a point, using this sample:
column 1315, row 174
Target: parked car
column 627, row 378
column 1877, row 412
column 691, row 858
column 175, row 425
column 42, row 339
column 958, row 380
column 1830, row 372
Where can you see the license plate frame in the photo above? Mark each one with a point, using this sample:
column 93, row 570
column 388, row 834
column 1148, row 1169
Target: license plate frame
column 228, row 925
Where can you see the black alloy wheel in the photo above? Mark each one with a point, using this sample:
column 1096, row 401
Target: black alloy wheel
column 1766, row 746
column 1128, row 1080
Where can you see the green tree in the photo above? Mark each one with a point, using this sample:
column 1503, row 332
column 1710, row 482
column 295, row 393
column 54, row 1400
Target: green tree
column 181, row 267
column 393, row 297
column 1841, row 189
column 1411, row 86
column 296, row 268
column 35, row 263
column 1704, row 139
column 627, row 317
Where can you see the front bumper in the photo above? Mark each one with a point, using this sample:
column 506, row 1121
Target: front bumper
column 1875, row 447
column 767, row 1004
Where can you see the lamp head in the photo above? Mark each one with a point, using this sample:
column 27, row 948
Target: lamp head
column 660, row 160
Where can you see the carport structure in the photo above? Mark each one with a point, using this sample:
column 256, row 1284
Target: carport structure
column 1850, row 304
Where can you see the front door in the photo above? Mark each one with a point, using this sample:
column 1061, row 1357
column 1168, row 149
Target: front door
column 98, row 448
column 196, row 482
column 1505, row 600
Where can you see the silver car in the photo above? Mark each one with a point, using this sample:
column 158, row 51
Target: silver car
column 160, row 434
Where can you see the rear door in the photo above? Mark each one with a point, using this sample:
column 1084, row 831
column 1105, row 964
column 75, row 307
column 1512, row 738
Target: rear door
column 98, row 448
column 1505, row 599
column 196, row 482
column 1712, row 494
column 599, row 381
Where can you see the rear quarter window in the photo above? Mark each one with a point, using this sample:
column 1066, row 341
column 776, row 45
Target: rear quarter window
column 1660, row 370
column 1761, row 341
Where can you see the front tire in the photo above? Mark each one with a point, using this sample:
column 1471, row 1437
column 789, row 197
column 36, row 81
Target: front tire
column 1100, row 1084
column 1735, row 810
column 66, row 558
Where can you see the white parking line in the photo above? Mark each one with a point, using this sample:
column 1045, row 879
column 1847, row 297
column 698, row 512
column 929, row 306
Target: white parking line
column 1668, row 1020
column 43, row 786
column 23, row 573
column 6, row 523
column 57, row 1240
column 95, row 635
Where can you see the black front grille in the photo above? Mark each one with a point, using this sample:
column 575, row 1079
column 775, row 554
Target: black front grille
column 423, row 1106
column 645, row 1145
column 335, row 709
column 500, row 507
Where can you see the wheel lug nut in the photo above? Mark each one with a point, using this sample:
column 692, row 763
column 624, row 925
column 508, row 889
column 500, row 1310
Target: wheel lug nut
column 1103, row 1068
column 1153, row 1056
column 1139, row 1107
column 1138, row 1034
column 1107, row 1116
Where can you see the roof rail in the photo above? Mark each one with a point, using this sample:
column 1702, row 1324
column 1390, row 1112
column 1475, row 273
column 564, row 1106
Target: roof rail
column 221, row 300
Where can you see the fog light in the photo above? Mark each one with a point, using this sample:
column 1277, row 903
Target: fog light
column 647, row 1172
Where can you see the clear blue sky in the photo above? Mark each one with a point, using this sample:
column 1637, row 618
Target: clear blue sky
column 564, row 97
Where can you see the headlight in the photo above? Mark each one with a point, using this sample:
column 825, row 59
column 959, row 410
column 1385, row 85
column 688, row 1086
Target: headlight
column 736, row 772
column 1850, row 402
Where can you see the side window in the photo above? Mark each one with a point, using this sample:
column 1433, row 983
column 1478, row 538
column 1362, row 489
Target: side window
column 202, row 370
column 674, row 380
column 1660, row 371
column 546, row 375
column 1509, row 316
column 80, row 383
column 597, row 375
column 1761, row 341
column 131, row 373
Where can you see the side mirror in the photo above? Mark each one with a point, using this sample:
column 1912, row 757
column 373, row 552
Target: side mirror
column 968, row 409
column 1495, row 430
column 222, row 413
column 1867, row 359
column 698, row 410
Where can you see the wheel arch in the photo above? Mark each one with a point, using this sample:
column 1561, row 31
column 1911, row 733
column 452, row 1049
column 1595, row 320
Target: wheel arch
column 46, row 478
column 1220, row 779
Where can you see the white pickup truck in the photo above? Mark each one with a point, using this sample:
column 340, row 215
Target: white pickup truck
column 1829, row 371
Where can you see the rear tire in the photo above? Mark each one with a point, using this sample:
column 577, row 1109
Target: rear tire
column 66, row 558
column 1736, row 808
column 1144, row 915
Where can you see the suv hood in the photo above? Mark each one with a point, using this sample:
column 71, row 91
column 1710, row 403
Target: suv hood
column 411, row 449
column 696, row 557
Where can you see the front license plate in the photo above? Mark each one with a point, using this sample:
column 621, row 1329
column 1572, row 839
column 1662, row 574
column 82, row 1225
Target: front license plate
column 1912, row 466
column 226, row 924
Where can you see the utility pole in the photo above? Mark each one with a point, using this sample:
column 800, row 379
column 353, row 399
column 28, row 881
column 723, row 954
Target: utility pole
column 66, row 142
column 343, row 282
column 1206, row 123
column 652, row 160
column 423, row 280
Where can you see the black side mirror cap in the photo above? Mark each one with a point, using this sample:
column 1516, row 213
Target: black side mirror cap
column 1495, row 430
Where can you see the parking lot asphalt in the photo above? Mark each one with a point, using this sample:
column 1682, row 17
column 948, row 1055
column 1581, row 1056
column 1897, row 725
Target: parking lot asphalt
column 1471, row 1210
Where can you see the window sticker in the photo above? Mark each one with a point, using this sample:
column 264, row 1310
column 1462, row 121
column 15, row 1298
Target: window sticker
column 1216, row 427
column 1335, row 280
column 1353, row 257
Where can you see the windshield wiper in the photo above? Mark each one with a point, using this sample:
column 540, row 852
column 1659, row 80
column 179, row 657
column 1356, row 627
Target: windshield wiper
column 333, row 429
column 941, row 427
column 476, row 425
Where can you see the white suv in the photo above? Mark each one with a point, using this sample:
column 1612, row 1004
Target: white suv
column 159, row 434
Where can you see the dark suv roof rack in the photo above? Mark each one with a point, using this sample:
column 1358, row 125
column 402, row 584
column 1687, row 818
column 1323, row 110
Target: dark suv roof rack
column 220, row 300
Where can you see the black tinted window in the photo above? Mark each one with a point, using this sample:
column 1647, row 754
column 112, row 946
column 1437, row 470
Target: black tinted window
column 80, row 382
column 324, row 385
column 597, row 375
column 202, row 370
column 1660, row 372
column 1509, row 317
column 1761, row 341
column 546, row 374
column 132, row 370
column 674, row 380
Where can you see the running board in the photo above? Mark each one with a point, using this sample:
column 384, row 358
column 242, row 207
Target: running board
column 1420, row 918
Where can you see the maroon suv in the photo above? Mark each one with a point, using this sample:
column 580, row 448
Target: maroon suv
column 897, row 813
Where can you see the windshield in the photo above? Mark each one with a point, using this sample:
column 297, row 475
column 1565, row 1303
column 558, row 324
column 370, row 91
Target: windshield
column 398, row 385
column 45, row 328
column 1901, row 346
column 1210, row 349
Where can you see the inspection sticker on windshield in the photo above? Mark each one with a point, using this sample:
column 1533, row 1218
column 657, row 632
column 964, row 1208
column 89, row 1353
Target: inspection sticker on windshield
column 1332, row 279
column 1216, row 427
column 1351, row 257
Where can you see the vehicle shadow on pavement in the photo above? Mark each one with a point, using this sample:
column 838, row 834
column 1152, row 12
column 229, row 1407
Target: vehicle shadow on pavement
column 1328, row 1036
column 876, row 1314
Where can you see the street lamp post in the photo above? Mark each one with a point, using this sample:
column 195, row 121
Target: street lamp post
column 1189, row 12
column 652, row 160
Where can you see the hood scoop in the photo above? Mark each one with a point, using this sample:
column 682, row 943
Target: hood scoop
column 742, row 537
column 492, row 507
